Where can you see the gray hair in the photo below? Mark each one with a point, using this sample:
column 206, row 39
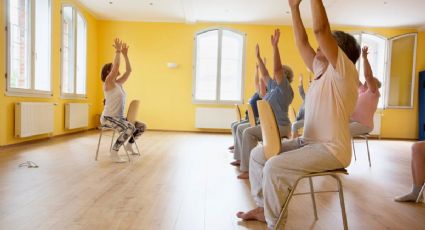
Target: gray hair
column 288, row 73
column 348, row 44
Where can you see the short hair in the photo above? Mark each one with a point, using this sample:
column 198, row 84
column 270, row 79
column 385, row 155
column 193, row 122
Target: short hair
column 288, row 73
column 378, row 83
column 106, row 69
column 348, row 44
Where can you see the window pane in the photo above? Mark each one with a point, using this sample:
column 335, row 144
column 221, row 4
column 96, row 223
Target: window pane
column 376, row 57
column 402, row 54
column 19, row 37
column 231, row 66
column 81, row 55
column 42, row 45
column 67, row 50
column 206, row 65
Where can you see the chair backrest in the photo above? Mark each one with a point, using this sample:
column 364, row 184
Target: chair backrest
column 251, row 117
column 238, row 113
column 270, row 130
column 132, row 111
column 292, row 114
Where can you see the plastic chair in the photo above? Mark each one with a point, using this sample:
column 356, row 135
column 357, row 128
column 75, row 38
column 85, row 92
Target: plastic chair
column 131, row 117
column 272, row 147
column 238, row 113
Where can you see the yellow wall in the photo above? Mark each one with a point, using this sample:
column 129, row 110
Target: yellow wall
column 166, row 94
column 7, row 102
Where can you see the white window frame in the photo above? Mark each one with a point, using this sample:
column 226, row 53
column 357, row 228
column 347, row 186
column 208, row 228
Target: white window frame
column 75, row 12
column 31, row 92
column 387, row 68
column 220, row 35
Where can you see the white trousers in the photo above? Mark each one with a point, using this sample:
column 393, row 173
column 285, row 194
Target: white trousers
column 272, row 180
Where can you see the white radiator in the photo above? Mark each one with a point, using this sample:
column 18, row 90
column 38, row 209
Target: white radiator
column 34, row 118
column 76, row 115
column 377, row 117
column 214, row 118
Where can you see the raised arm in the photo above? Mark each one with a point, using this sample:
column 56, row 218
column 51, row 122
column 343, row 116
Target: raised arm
column 301, row 87
column 125, row 76
column 112, row 76
column 301, row 38
column 257, row 79
column 323, row 33
column 278, row 71
column 265, row 76
column 368, row 74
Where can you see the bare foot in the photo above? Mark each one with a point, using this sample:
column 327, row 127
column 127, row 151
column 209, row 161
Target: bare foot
column 244, row 175
column 236, row 163
column 232, row 147
column 254, row 214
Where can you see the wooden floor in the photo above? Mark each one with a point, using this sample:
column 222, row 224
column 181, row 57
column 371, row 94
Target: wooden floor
column 184, row 181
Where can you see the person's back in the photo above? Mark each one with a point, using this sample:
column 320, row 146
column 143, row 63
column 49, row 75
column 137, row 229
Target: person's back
column 366, row 106
column 114, row 102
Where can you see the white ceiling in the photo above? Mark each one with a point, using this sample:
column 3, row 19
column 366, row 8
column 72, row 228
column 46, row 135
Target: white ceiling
column 370, row 13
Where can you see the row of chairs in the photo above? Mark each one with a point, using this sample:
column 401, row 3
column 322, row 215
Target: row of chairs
column 271, row 142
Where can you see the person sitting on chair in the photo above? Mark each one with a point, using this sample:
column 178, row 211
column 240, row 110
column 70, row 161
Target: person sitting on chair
column 330, row 100
column 279, row 95
column 361, row 121
column 299, row 123
column 113, row 112
column 418, row 174
column 260, row 91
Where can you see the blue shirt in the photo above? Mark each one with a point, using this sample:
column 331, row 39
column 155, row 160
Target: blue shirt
column 253, row 102
column 280, row 97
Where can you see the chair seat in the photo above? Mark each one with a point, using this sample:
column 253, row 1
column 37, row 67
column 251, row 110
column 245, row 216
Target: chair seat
column 342, row 170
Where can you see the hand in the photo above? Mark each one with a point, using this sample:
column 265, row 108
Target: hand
column 124, row 49
column 117, row 45
column 257, row 51
column 294, row 3
column 275, row 37
column 365, row 52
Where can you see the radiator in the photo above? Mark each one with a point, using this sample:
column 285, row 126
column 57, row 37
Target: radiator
column 76, row 115
column 377, row 117
column 33, row 118
column 214, row 118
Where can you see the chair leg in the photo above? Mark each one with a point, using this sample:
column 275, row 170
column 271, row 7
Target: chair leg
column 368, row 154
column 420, row 194
column 285, row 206
column 341, row 200
column 137, row 147
column 354, row 149
column 98, row 144
column 313, row 198
column 112, row 140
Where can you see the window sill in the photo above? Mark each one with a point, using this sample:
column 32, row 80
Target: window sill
column 28, row 94
column 197, row 102
column 73, row 97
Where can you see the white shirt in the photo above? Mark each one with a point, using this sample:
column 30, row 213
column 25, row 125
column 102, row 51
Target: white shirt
column 329, row 103
column 114, row 102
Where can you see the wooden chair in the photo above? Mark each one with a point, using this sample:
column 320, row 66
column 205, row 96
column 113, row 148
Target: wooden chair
column 251, row 117
column 272, row 147
column 238, row 113
column 131, row 117
column 366, row 137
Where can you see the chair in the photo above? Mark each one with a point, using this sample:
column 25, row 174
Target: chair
column 365, row 136
column 238, row 113
column 272, row 147
column 131, row 117
column 251, row 117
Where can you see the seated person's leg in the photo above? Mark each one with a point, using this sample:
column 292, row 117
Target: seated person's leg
column 238, row 143
column 281, row 172
column 418, row 173
column 250, row 138
column 359, row 129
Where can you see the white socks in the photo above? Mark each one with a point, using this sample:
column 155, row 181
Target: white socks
column 412, row 196
column 115, row 157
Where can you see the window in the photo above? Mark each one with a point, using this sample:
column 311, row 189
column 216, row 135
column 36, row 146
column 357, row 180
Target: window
column 396, row 77
column 74, row 48
column 219, row 66
column 29, row 47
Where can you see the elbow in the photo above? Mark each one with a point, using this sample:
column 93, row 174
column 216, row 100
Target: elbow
column 321, row 30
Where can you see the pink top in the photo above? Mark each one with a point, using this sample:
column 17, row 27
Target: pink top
column 367, row 103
